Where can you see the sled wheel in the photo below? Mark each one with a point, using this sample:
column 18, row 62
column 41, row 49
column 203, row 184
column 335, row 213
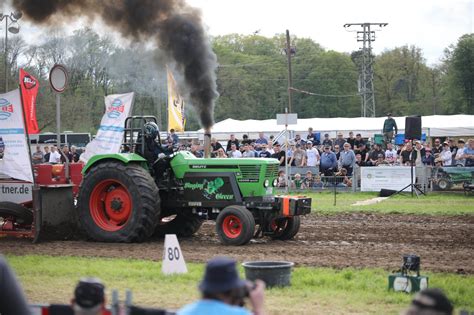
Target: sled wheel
column 235, row 225
column 18, row 215
column 285, row 228
column 118, row 203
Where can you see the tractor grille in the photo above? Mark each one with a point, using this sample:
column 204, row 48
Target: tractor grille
column 250, row 171
column 272, row 171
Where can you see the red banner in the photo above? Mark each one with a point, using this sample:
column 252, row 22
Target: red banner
column 29, row 89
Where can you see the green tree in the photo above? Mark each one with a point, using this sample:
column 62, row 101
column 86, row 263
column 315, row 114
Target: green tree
column 459, row 80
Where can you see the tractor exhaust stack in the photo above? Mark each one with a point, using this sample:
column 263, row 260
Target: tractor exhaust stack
column 207, row 143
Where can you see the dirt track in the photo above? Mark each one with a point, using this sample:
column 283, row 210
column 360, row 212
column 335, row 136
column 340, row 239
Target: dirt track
column 358, row 240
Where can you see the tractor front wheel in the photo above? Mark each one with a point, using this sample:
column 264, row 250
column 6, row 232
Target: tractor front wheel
column 118, row 203
column 285, row 228
column 235, row 225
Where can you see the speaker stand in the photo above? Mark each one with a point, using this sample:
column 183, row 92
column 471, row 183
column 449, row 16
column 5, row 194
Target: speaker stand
column 414, row 189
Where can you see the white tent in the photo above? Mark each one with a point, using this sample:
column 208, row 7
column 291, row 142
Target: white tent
column 433, row 126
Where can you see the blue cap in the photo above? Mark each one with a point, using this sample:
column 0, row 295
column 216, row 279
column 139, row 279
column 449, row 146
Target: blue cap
column 221, row 276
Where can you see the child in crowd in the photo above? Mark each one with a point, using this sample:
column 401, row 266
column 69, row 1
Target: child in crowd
column 308, row 180
column 317, row 182
column 281, row 179
column 297, row 182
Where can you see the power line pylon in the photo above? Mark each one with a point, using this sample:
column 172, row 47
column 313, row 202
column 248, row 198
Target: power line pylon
column 366, row 71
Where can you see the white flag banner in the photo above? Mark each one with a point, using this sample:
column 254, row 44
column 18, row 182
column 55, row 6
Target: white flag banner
column 14, row 156
column 110, row 134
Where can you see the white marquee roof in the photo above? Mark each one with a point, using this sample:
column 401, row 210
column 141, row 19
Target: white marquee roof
column 433, row 126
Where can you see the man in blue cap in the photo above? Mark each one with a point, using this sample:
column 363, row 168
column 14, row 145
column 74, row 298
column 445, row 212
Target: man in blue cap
column 223, row 291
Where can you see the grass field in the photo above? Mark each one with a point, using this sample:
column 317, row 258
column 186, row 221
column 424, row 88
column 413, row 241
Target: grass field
column 313, row 290
column 432, row 204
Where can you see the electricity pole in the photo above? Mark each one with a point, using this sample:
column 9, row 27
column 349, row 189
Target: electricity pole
column 289, row 52
column 366, row 72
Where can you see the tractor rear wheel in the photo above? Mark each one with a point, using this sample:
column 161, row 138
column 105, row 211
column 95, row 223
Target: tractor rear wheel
column 118, row 203
column 285, row 228
column 20, row 214
column 235, row 225
column 181, row 225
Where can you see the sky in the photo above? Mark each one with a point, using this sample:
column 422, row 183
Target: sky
column 431, row 25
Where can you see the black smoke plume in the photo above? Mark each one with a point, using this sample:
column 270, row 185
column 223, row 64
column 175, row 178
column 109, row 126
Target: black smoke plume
column 175, row 27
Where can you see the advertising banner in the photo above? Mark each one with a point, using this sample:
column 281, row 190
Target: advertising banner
column 29, row 90
column 15, row 191
column 387, row 177
column 110, row 134
column 176, row 118
column 14, row 155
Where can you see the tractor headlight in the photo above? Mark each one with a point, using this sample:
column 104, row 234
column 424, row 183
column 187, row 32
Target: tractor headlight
column 275, row 182
column 266, row 183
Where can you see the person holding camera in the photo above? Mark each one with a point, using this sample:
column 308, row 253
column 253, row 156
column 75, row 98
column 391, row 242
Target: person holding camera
column 223, row 292
column 89, row 297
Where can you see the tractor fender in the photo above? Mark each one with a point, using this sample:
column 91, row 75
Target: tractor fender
column 125, row 158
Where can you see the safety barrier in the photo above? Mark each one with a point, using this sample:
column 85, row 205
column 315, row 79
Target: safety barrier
column 427, row 178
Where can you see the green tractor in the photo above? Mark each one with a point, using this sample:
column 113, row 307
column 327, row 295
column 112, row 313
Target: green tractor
column 128, row 197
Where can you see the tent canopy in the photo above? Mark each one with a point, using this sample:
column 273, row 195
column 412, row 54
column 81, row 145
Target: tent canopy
column 433, row 126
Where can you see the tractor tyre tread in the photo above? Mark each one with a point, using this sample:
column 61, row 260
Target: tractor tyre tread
column 143, row 191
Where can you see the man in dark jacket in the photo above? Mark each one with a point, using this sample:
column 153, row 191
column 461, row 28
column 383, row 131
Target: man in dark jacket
column 388, row 126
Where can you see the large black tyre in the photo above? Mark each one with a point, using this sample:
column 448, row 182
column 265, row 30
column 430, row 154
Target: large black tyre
column 182, row 225
column 118, row 203
column 286, row 228
column 21, row 214
column 235, row 225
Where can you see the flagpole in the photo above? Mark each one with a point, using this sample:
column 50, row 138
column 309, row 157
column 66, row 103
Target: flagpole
column 167, row 116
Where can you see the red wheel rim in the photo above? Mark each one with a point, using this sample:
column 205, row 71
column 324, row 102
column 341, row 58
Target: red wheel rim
column 110, row 205
column 232, row 226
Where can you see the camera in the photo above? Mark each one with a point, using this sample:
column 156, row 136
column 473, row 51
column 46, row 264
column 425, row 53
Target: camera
column 240, row 294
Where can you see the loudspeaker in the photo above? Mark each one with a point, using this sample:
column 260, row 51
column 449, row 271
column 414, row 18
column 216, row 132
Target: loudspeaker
column 413, row 127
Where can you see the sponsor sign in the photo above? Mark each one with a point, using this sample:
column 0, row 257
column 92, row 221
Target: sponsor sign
column 14, row 156
column 110, row 134
column 212, row 188
column 17, row 192
column 387, row 177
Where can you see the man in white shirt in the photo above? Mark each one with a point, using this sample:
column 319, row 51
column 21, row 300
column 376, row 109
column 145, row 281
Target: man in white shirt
column 312, row 155
column 55, row 156
column 446, row 155
column 390, row 154
column 458, row 160
column 234, row 153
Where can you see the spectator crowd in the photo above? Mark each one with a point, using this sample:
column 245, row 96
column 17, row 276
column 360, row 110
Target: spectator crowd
column 51, row 154
column 339, row 156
